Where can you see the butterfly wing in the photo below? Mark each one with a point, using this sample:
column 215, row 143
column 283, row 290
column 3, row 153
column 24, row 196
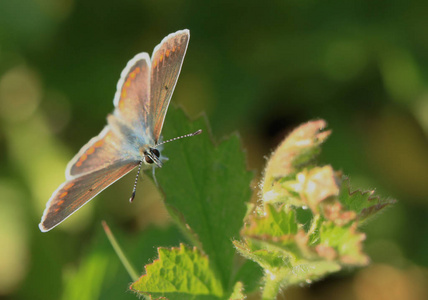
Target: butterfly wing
column 167, row 60
column 110, row 155
column 127, row 129
column 132, row 95
column 145, row 87
column 74, row 193
column 110, row 147
column 103, row 160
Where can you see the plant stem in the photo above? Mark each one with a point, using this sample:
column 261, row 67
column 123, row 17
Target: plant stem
column 272, row 284
column 131, row 271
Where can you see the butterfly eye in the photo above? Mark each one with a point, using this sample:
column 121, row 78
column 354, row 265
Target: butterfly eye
column 148, row 160
column 156, row 152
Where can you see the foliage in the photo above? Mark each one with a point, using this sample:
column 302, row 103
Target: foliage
column 259, row 69
column 305, row 226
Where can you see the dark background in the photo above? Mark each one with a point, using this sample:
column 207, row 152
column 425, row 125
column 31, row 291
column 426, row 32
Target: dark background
column 256, row 67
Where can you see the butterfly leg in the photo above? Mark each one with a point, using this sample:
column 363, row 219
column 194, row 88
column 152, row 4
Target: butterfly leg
column 154, row 176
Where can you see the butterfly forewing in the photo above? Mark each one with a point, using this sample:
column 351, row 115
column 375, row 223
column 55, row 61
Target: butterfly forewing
column 167, row 60
column 73, row 194
column 132, row 95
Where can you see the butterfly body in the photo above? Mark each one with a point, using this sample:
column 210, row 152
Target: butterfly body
column 131, row 136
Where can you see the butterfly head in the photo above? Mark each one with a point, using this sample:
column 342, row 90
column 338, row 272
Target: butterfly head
column 152, row 156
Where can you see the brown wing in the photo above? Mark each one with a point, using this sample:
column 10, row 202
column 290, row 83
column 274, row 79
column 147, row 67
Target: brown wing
column 132, row 95
column 106, row 149
column 167, row 60
column 74, row 193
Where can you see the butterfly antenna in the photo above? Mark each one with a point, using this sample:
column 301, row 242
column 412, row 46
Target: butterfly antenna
column 135, row 183
column 180, row 137
column 141, row 162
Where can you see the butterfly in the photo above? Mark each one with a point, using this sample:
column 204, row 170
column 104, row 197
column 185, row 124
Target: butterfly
column 131, row 136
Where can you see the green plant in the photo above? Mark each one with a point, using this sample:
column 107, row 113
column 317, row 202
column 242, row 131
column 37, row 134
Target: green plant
column 304, row 226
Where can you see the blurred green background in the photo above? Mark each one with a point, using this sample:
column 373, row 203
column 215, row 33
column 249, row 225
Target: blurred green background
column 257, row 67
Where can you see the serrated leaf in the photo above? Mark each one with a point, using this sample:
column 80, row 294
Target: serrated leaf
column 341, row 243
column 274, row 223
column 307, row 271
column 274, row 238
column 296, row 256
column 179, row 273
column 297, row 150
column 326, row 237
column 209, row 185
column 364, row 203
column 267, row 259
column 280, row 266
column 100, row 274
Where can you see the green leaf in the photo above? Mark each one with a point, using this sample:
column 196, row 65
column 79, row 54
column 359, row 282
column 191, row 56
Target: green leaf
column 283, row 269
column 307, row 224
column 249, row 274
column 271, row 238
column 274, row 223
column 364, row 203
column 289, row 255
column 179, row 273
column 297, row 150
column 307, row 271
column 341, row 243
column 208, row 186
column 101, row 275
column 238, row 292
column 267, row 259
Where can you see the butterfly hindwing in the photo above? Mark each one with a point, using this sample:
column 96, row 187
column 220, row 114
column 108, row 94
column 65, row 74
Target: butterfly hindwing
column 100, row 152
column 74, row 193
column 167, row 60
